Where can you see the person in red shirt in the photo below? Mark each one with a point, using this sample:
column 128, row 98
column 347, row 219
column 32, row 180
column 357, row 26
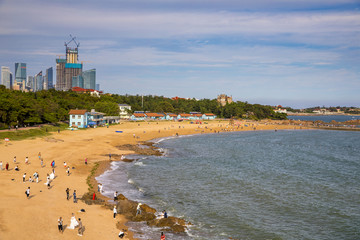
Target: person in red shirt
column 162, row 236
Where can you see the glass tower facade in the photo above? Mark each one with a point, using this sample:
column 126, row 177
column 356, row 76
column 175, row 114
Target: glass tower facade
column 20, row 73
column 49, row 78
column 39, row 82
column 89, row 79
column 6, row 77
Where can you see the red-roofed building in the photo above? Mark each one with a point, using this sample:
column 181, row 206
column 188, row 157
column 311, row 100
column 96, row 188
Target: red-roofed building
column 170, row 116
column 184, row 116
column 84, row 90
column 208, row 116
column 138, row 116
column 78, row 118
column 155, row 116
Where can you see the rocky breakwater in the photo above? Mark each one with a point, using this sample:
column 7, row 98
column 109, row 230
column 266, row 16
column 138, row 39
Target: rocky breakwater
column 128, row 208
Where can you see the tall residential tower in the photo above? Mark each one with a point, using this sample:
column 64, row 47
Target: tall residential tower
column 6, row 77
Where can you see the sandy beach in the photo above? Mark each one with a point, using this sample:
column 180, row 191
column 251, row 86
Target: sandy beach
column 36, row 217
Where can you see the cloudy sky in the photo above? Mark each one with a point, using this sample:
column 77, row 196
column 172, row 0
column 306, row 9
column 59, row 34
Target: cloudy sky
column 294, row 53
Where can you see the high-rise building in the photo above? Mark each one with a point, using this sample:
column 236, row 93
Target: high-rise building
column 67, row 68
column 30, row 83
column 39, row 81
column 49, row 78
column 78, row 81
column 6, row 77
column 20, row 73
column 89, row 79
column 97, row 87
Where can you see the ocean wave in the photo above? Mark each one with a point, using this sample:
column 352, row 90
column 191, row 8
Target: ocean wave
column 139, row 164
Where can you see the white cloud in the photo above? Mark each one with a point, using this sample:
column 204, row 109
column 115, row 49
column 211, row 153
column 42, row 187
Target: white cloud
column 302, row 27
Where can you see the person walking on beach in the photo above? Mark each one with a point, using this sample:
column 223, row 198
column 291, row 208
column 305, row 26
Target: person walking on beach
column 1, row 165
column 53, row 164
column 101, row 188
column 41, row 162
column 80, row 229
column 162, row 236
column 36, row 177
column 27, row 192
column 115, row 195
column 26, row 160
column 109, row 156
column 115, row 211
column 60, row 224
column 68, row 171
column 74, row 196
column 64, row 164
column 122, row 233
column 94, row 196
column 85, row 161
column 15, row 159
column 24, row 176
column 67, row 193
column 7, row 166
column 39, row 155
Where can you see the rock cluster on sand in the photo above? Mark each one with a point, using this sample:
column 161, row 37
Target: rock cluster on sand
column 128, row 207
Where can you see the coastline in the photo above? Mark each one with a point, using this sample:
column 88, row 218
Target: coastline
column 73, row 147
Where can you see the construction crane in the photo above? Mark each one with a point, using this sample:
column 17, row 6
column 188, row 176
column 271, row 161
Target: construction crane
column 72, row 40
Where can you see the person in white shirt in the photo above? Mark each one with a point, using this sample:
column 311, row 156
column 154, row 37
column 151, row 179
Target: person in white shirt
column 115, row 211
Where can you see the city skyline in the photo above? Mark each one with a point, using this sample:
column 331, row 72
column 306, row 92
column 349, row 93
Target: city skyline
column 300, row 54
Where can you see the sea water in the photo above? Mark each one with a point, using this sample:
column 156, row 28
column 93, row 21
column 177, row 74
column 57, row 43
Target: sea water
column 324, row 118
column 289, row 184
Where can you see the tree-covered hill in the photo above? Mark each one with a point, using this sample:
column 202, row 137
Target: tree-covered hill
column 20, row 108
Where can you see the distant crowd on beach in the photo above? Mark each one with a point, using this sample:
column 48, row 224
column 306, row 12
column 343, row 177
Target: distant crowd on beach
column 75, row 223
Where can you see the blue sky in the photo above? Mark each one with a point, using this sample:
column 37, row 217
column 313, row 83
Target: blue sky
column 293, row 53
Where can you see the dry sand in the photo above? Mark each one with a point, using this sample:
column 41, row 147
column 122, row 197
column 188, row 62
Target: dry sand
column 36, row 218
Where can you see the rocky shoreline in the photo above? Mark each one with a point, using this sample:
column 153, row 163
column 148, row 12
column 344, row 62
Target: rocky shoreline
column 125, row 206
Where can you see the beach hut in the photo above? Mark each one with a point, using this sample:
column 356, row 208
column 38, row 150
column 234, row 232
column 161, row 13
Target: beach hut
column 138, row 117
column 170, row 116
column 155, row 116
column 208, row 116
column 184, row 116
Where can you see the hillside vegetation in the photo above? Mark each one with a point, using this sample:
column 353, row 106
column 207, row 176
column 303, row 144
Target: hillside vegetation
column 51, row 106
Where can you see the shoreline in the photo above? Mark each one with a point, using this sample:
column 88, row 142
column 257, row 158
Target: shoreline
column 73, row 147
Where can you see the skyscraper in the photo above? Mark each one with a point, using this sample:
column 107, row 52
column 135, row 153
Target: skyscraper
column 49, row 78
column 78, row 81
column 67, row 68
column 6, row 77
column 89, row 79
column 39, row 81
column 20, row 73
column 30, row 82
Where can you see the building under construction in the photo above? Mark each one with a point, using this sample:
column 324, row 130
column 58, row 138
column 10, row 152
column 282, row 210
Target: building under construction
column 68, row 68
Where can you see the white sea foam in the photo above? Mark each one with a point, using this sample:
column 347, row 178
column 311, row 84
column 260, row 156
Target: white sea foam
column 139, row 164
